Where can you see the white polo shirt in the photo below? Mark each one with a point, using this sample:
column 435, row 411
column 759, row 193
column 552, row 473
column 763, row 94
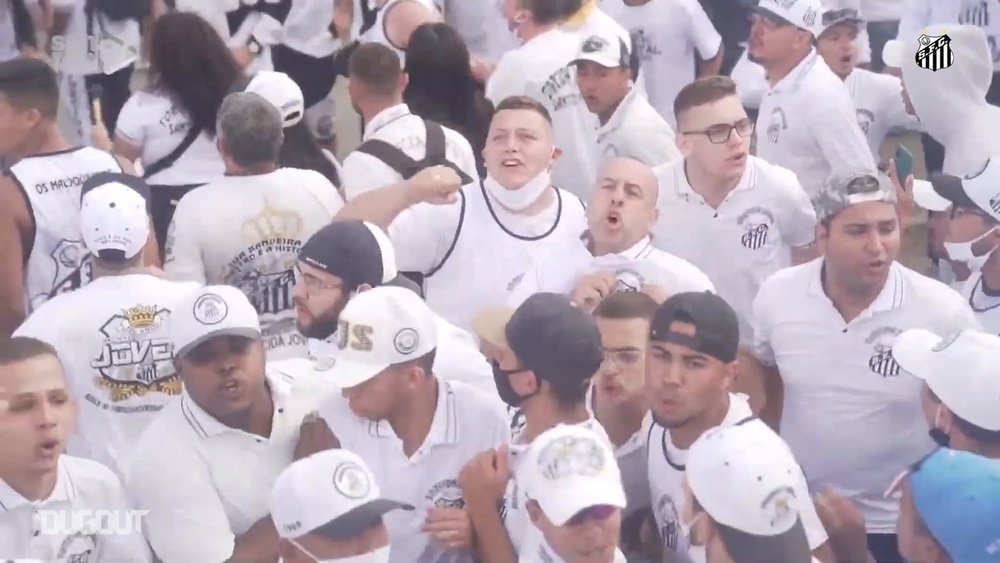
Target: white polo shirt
column 81, row 486
column 205, row 483
column 405, row 131
column 560, row 269
column 843, row 392
column 636, row 130
column 756, row 226
column 812, row 139
column 546, row 554
column 878, row 101
column 466, row 423
column 667, row 35
column 666, row 477
column 984, row 301
column 113, row 340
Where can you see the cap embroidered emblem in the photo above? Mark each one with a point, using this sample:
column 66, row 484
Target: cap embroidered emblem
column 210, row 309
column 406, row 341
column 594, row 44
column 350, row 480
column 569, row 456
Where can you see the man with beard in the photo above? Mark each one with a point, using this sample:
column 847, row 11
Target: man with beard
column 690, row 370
column 344, row 259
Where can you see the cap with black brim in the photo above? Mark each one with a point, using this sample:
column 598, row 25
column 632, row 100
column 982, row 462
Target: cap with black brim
column 790, row 546
column 772, row 16
column 242, row 332
column 951, row 188
column 352, row 523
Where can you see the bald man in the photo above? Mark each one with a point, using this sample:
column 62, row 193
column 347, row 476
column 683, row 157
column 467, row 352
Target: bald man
column 615, row 253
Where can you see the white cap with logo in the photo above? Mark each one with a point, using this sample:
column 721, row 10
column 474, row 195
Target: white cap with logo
column 606, row 50
column 570, row 468
column 209, row 311
column 113, row 218
column 803, row 14
column 282, row 92
column 381, row 327
column 331, row 493
column 961, row 369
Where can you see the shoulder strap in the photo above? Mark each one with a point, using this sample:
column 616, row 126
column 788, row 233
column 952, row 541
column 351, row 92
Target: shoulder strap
column 435, row 143
column 170, row 159
column 392, row 156
column 454, row 241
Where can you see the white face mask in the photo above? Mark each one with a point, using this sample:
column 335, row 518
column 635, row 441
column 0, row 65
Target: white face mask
column 962, row 252
column 521, row 198
column 380, row 555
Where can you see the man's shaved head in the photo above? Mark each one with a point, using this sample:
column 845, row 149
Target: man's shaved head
column 623, row 208
column 632, row 171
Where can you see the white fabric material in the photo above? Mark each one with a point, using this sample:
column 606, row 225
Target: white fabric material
column 247, row 231
column 208, row 311
column 59, row 261
column 765, row 216
column 114, row 217
column 405, row 131
column 482, row 25
column 635, row 130
column 878, row 102
column 546, row 554
column 813, row 140
column 751, row 81
column 81, row 485
column 306, row 28
column 883, row 10
column 113, row 340
column 985, row 306
column 843, row 373
column 158, row 125
column 921, row 14
column 377, row 33
column 115, row 47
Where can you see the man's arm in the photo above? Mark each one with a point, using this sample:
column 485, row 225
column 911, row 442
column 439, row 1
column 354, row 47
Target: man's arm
column 840, row 138
column 403, row 18
column 484, row 480
column 436, row 184
column 706, row 39
column 258, row 544
column 182, row 248
column 15, row 234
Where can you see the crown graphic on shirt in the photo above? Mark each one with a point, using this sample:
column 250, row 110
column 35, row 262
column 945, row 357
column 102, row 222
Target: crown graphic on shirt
column 141, row 316
column 272, row 224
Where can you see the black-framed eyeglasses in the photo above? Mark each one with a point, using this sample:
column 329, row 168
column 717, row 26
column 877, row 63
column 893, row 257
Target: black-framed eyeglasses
column 720, row 133
column 312, row 283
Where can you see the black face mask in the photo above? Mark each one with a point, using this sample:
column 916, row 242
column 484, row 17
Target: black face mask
column 940, row 438
column 505, row 389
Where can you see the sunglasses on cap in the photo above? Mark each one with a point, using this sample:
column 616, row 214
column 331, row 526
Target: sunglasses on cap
column 833, row 16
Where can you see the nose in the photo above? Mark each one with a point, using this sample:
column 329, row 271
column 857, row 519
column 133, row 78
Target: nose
column 46, row 415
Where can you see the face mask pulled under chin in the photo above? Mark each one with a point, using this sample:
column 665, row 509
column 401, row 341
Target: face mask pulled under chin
column 521, row 198
column 962, row 252
column 380, row 555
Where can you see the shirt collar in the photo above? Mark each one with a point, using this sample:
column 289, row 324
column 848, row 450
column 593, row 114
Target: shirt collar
column 616, row 119
column 797, row 74
column 683, row 186
column 64, row 491
column 444, row 425
column 636, row 249
column 890, row 298
column 206, row 426
column 385, row 117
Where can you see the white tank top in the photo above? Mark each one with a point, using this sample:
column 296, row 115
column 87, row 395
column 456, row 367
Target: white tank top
column 376, row 33
column 59, row 261
column 488, row 258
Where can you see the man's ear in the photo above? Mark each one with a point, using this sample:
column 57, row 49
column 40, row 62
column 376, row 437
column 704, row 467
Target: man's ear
column 822, row 235
column 525, row 383
column 362, row 287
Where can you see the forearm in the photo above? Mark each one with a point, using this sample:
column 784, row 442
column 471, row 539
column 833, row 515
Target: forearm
column 259, row 544
column 492, row 543
column 380, row 206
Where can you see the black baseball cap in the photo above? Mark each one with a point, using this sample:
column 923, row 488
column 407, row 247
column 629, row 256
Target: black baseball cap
column 951, row 188
column 717, row 329
column 357, row 251
column 549, row 336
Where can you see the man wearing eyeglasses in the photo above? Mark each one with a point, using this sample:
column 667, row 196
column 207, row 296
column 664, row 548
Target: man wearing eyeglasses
column 807, row 122
column 629, row 125
column 721, row 201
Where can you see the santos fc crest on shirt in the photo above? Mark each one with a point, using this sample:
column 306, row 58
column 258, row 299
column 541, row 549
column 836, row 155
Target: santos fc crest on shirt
column 935, row 52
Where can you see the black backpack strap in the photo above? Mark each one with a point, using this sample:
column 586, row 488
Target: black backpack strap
column 170, row 159
column 435, row 143
column 392, row 156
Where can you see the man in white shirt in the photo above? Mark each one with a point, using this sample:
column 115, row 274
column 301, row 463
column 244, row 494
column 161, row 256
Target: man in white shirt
column 544, row 355
column 113, row 333
column 879, row 107
column 629, row 126
column 224, row 442
column 616, row 252
column 471, row 242
column 48, row 499
column 246, row 229
column 746, row 484
column 396, row 144
column 540, row 68
column 391, row 410
column 812, row 140
column 329, row 507
column 823, row 335
column 719, row 200
column 574, row 496
column 667, row 36
column 690, row 370
column 482, row 25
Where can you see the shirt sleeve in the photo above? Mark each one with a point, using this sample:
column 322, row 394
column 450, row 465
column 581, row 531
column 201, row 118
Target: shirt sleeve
column 423, row 234
column 130, row 125
column 762, row 326
column 653, row 146
column 894, row 109
column 183, row 250
column 129, row 546
column 505, row 81
column 840, row 139
column 703, row 34
column 363, row 173
column 798, row 217
column 916, row 16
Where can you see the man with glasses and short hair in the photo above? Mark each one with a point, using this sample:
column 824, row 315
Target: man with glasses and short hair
column 807, row 122
column 720, row 200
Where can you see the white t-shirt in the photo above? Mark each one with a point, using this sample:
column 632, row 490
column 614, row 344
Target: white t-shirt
column 155, row 122
column 363, row 172
column 482, row 25
column 114, row 343
column 878, row 101
column 377, row 32
column 814, row 140
column 246, row 231
column 466, row 423
column 667, row 34
column 666, row 475
column 306, row 28
column 843, row 391
column 756, row 226
column 635, row 130
column 984, row 301
column 82, row 486
column 75, row 54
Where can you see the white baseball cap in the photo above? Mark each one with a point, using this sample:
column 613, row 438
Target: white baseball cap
column 209, row 311
column 746, row 478
column 980, row 190
column 961, row 369
column 837, row 16
column 384, row 326
column 114, row 222
column 282, row 92
column 570, row 468
column 803, row 14
column 927, row 197
column 331, row 493
column 607, row 50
